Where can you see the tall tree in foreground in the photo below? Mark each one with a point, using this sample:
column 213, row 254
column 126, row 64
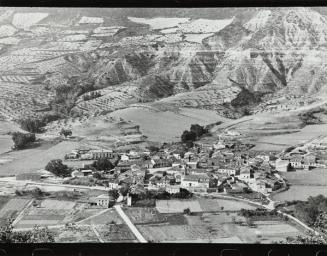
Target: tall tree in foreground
column 37, row 235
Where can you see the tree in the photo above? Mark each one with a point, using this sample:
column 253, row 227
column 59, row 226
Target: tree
column 102, row 164
column 32, row 125
column 37, row 235
column 21, row 140
column 58, row 168
column 198, row 130
column 66, row 132
column 188, row 136
column 187, row 211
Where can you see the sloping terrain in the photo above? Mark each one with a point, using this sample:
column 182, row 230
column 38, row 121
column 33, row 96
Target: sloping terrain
column 235, row 63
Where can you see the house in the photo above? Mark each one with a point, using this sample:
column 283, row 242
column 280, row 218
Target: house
column 282, row 165
column 177, row 156
column 188, row 155
column 113, row 184
column 102, row 153
column 172, row 189
column 245, row 174
column 265, row 158
column 219, row 145
column 296, row 161
column 72, row 155
column 133, row 155
column 123, row 167
column 104, row 200
column 195, row 181
column 87, row 172
column 192, row 164
column 86, row 156
column 160, row 163
column 124, row 157
column 227, row 169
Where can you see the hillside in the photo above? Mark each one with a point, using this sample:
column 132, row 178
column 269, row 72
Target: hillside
column 235, row 63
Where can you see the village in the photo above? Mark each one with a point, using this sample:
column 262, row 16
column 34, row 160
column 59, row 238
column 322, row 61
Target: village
column 228, row 166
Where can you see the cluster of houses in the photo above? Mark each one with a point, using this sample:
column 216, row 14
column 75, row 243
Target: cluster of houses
column 225, row 166
column 301, row 158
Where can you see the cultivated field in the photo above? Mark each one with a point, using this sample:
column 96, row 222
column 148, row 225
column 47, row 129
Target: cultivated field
column 76, row 234
column 217, row 228
column 110, row 216
column 168, row 233
column 115, row 233
column 12, row 208
column 140, row 215
column 49, row 212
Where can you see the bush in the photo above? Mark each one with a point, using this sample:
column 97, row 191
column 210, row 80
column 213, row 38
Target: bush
column 66, row 132
column 58, row 168
column 22, row 140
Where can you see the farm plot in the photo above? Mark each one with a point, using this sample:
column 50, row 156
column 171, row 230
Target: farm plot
column 12, row 208
column 49, row 212
column 168, row 233
column 176, row 206
column 115, row 233
column 140, row 215
column 110, row 216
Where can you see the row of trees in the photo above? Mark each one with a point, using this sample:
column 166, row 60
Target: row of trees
column 183, row 194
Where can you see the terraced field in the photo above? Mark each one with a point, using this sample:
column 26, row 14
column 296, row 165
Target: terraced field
column 18, row 100
column 112, row 99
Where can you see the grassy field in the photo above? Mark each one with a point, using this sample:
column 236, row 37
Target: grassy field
column 299, row 192
column 200, row 205
column 34, row 159
column 165, row 126
column 303, row 185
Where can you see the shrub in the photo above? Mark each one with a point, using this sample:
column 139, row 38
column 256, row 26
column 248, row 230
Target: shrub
column 22, row 140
